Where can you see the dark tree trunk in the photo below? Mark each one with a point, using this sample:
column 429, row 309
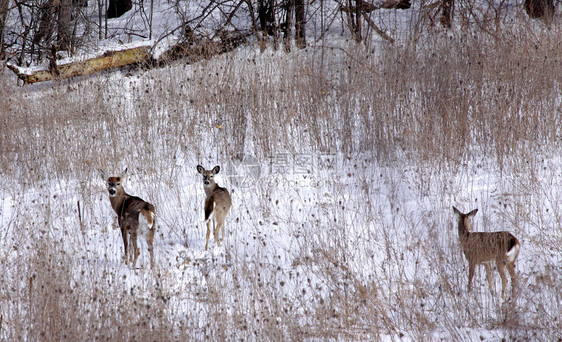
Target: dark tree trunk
column 117, row 8
column 539, row 8
column 300, row 23
column 358, row 33
column 45, row 29
column 288, row 25
column 64, row 25
column 55, row 16
column 274, row 23
column 255, row 27
column 350, row 18
column 447, row 13
column 3, row 13
column 265, row 16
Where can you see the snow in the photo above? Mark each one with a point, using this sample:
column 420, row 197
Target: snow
column 369, row 246
column 380, row 222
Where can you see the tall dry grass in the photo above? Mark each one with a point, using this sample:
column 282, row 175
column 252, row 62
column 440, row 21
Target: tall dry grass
column 414, row 111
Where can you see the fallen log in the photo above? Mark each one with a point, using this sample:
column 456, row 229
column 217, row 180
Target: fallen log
column 191, row 50
column 194, row 49
column 109, row 60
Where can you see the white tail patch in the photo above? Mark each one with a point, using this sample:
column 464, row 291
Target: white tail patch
column 145, row 223
column 513, row 253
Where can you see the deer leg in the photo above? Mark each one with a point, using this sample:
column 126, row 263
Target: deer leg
column 135, row 247
column 511, row 269
column 216, row 232
column 208, row 233
column 222, row 226
column 500, row 266
column 216, row 228
column 125, row 237
column 489, row 277
column 150, row 243
column 131, row 247
column 470, row 275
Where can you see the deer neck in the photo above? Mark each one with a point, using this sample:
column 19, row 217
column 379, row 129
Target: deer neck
column 210, row 188
column 464, row 229
column 117, row 201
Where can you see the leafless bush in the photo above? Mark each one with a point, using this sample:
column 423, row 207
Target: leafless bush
column 359, row 263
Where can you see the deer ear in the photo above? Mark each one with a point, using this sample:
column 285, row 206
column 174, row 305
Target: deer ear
column 102, row 174
column 472, row 213
column 216, row 169
column 200, row 169
column 123, row 174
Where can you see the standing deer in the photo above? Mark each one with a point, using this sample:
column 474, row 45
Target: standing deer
column 217, row 203
column 483, row 248
column 135, row 216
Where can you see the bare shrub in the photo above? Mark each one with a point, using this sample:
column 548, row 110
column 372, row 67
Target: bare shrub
column 365, row 257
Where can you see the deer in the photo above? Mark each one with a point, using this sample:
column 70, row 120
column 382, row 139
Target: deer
column 217, row 203
column 484, row 248
column 135, row 217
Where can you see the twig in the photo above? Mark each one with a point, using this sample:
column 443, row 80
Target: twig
column 377, row 30
column 79, row 214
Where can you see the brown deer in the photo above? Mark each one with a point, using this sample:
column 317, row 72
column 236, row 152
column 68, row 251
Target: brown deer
column 217, row 203
column 135, row 216
column 483, row 248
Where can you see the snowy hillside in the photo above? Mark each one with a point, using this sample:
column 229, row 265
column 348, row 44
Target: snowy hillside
column 343, row 167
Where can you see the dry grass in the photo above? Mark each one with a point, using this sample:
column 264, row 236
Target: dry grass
column 409, row 115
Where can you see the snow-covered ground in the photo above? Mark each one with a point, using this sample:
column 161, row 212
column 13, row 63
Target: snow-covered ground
column 321, row 243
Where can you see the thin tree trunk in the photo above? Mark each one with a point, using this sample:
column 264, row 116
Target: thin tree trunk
column 3, row 14
column 352, row 21
column 259, row 34
column 264, row 13
column 300, row 24
column 288, row 25
column 64, row 25
column 100, row 20
column 447, row 13
column 349, row 15
column 358, row 33
column 45, row 30
column 151, row 14
column 105, row 26
column 275, row 26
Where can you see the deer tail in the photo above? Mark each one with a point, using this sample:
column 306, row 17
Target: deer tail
column 209, row 207
column 148, row 213
column 513, row 251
